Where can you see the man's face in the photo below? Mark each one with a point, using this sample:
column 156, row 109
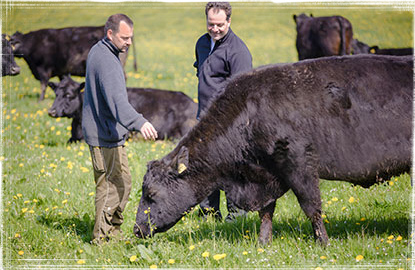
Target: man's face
column 121, row 39
column 217, row 25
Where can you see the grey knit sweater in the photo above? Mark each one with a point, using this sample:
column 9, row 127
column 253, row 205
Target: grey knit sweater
column 107, row 116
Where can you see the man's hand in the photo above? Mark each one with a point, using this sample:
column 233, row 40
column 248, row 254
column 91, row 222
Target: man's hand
column 148, row 131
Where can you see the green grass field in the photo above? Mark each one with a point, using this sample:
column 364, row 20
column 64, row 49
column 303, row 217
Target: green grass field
column 48, row 187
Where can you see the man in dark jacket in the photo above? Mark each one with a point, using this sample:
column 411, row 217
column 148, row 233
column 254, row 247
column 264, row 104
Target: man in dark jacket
column 220, row 55
column 107, row 116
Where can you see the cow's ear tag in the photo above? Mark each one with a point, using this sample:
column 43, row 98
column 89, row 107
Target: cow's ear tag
column 181, row 168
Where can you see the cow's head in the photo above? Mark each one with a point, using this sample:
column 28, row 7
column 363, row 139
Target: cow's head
column 68, row 101
column 8, row 65
column 16, row 40
column 166, row 195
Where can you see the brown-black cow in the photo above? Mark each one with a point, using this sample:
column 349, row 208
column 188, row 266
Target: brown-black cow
column 172, row 113
column 57, row 52
column 8, row 65
column 322, row 36
column 283, row 127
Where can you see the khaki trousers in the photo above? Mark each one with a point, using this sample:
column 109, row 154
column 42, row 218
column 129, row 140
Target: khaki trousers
column 113, row 186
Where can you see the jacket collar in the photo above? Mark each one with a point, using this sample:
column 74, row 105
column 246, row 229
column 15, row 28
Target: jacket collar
column 111, row 46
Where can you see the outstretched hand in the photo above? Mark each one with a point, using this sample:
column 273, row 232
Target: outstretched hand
column 148, row 131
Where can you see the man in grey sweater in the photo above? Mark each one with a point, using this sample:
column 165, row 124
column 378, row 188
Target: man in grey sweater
column 107, row 116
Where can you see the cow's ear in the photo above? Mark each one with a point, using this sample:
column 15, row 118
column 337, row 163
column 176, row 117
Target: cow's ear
column 182, row 159
column 295, row 17
column 53, row 85
column 81, row 86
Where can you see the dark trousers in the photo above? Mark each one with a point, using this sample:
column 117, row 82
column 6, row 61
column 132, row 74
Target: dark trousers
column 211, row 205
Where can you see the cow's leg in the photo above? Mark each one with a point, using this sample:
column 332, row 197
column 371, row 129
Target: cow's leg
column 265, row 231
column 306, row 188
column 43, row 85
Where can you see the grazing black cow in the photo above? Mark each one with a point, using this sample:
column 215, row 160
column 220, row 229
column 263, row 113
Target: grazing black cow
column 283, row 127
column 359, row 47
column 57, row 52
column 322, row 36
column 392, row 51
column 8, row 65
column 172, row 113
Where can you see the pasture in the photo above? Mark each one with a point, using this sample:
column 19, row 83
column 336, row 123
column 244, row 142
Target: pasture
column 48, row 188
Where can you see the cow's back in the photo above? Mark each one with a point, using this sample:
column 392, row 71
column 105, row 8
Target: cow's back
column 172, row 113
column 354, row 112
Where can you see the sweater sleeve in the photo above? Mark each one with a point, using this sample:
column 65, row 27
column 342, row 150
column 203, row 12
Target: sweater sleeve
column 114, row 91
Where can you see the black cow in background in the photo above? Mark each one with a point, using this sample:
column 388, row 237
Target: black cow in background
column 359, row 47
column 172, row 113
column 283, row 127
column 57, row 52
column 8, row 65
column 322, row 36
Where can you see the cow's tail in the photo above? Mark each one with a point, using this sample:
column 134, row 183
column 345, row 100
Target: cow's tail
column 134, row 55
column 342, row 24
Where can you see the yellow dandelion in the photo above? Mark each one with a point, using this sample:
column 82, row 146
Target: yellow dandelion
column 64, row 201
column 205, row 254
column 323, row 257
column 24, row 210
column 85, row 170
column 69, row 128
column 389, row 242
column 359, row 258
column 58, row 133
column 21, row 252
column 391, row 183
column 31, row 211
column 26, row 202
column 80, row 153
column 133, row 258
column 343, row 208
column 17, row 235
column 260, row 250
column 245, row 253
column 91, row 193
column 81, row 262
column 399, row 238
column 192, row 247
column 19, row 195
column 334, row 199
column 218, row 257
column 362, row 219
column 171, row 261
column 35, row 200
column 21, row 165
column 318, row 268
column 153, row 266
column 351, row 200
column 390, row 237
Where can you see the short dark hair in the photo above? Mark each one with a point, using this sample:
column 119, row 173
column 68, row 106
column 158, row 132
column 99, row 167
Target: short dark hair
column 225, row 6
column 113, row 22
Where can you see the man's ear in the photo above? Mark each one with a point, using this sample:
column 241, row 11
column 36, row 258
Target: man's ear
column 109, row 34
column 182, row 159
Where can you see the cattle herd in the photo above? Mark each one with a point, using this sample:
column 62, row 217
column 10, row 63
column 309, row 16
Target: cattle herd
column 281, row 127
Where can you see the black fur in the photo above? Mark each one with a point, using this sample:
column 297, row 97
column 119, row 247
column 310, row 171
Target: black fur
column 284, row 127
